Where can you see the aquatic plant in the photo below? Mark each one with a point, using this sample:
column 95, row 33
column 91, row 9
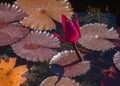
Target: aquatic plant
column 29, row 28
column 97, row 35
column 10, row 30
column 64, row 81
column 110, row 77
column 36, row 46
column 71, row 31
column 41, row 13
column 60, row 64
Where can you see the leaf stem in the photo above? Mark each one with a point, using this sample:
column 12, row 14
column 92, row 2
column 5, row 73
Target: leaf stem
column 77, row 51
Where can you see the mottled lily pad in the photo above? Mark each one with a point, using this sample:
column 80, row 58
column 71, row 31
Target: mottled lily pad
column 96, row 37
column 11, row 33
column 36, row 46
column 66, row 63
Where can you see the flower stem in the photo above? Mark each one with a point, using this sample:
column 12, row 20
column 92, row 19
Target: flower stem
column 77, row 51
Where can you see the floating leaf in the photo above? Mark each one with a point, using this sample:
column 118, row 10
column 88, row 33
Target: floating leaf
column 96, row 36
column 50, row 81
column 10, row 13
column 116, row 60
column 41, row 12
column 11, row 33
column 37, row 46
column 67, row 63
column 10, row 76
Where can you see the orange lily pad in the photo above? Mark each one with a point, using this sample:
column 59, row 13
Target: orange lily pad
column 41, row 12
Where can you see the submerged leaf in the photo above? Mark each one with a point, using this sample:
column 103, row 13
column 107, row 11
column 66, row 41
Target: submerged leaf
column 111, row 77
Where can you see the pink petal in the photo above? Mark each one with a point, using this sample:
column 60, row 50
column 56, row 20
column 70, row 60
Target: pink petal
column 60, row 37
column 64, row 20
column 70, row 30
column 77, row 23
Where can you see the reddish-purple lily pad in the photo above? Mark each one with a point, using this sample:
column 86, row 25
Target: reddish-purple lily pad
column 67, row 63
column 11, row 33
column 111, row 77
column 36, row 46
column 50, row 81
column 10, row 13
column 96, row 37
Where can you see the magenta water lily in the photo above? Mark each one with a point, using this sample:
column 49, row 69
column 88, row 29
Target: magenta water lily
column 71, row 30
